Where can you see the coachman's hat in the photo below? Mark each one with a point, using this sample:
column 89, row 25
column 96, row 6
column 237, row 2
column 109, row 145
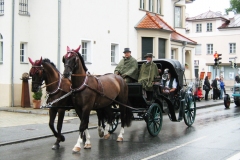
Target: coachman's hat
column 149, row 55
column 126, row 50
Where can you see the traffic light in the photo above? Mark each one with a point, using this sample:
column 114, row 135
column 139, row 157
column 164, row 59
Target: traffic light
column 232, row 64
column 215, row 59
column 235, row 65
column 219, row 58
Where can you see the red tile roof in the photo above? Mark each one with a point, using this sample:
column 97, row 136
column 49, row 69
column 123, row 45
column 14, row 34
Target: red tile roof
column 153, row 21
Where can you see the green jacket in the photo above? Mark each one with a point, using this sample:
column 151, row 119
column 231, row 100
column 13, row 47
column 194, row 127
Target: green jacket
column 128, row 67
column 146, row 76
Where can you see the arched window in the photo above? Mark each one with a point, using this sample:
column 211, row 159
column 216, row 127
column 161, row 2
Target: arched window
column 1, row 48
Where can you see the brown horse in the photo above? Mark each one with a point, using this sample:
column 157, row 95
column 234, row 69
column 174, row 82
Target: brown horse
column 44, row 70
column 86, row 95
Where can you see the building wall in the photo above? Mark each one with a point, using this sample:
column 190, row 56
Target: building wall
column 220, row 40
column 80, row 20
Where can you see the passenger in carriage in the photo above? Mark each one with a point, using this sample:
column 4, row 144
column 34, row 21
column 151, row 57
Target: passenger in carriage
column 148, row 72
column 169, row 83
column 127, row 67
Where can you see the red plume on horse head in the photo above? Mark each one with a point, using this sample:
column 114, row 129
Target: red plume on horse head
column 77, row 50
column 36, row 63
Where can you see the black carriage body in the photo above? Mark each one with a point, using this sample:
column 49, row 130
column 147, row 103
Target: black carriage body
column 145, row 108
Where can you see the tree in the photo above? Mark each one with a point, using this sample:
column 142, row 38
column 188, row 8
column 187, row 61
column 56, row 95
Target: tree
column 234, row 6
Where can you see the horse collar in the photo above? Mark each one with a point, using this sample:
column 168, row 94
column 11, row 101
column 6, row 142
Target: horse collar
column 58, row 88
column 82, row 87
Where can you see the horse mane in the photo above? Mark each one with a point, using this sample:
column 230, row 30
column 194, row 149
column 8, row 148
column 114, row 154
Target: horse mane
column 46, row 60
column 83, row 63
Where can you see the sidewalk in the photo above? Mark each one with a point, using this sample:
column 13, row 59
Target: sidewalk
column 71, row 113
column 19, row 124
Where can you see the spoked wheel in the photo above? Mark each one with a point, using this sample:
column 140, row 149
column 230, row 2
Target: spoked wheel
column 227, row 101
column 114, row 125
column 154, row 119
column 190, row 110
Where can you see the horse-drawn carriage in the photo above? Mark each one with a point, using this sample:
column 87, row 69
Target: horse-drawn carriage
column 110, row 96
column 151, row 110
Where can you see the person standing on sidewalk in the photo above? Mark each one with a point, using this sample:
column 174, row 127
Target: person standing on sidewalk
column 222, row 86
column 216, row 85
column 207, row 87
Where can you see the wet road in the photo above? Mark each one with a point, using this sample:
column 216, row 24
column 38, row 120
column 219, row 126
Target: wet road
column 214, row 135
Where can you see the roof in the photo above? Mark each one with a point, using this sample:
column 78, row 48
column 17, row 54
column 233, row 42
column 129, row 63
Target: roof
column 153, row 21
column 231, row 23
column 207, row 15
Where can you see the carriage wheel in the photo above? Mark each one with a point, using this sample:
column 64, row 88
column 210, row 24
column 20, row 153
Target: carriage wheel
column 190, row 110
column 227, row 101
column 237, row 101
column 114, row 125
column 154, row 119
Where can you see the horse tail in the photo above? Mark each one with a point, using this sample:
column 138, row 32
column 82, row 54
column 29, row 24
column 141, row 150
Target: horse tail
column 129, row 116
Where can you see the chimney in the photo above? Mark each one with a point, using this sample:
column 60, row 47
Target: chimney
column 230, row 14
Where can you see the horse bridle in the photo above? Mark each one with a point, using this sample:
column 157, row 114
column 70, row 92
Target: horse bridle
column 40, row 70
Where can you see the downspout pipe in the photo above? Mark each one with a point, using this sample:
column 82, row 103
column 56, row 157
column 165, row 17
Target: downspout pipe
column 59, row 34
column 12, row 65
column 184, row 43
column 174, row 12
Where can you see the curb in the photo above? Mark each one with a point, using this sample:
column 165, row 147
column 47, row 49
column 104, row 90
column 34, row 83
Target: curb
column 40, row 137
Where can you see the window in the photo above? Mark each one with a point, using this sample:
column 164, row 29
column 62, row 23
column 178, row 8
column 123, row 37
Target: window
column 232, row 47
column 158, row 6
column 199, row 28
column 209, row 48
column 23, row 52
column 114, row 53
column 1, row 6
column 173, row 54
column 151, row 5
column 86, row 50
column 209, row 27
column 1, row 49
column 141, row 4
column 178, row 16
column 198, row 49
column 23, row 7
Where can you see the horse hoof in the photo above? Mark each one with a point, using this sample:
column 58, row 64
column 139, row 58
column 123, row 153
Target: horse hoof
column 119, row 139
column 87, row 146
column 62, row 138
column 106, row 136
column 55, row 146
column 76, row 149
column 101, row 134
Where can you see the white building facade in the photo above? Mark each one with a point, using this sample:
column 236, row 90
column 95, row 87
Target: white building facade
column 103, row 28
column 219, row 33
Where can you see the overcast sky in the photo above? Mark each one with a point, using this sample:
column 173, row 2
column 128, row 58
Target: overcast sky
column 201, row 6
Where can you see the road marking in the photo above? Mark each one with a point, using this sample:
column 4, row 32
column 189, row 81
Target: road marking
column 171, row 149
column 235, row 157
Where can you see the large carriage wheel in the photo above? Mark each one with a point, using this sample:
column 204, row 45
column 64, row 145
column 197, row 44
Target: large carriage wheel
column 227, row 101
column 190, row 110
column 154, row 119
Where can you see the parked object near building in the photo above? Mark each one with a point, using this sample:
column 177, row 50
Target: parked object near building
column 236, row 94
column 25, row 100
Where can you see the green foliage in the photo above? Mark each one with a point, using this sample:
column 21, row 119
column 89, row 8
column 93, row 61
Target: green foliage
column 37, row 95
column 234, row 6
